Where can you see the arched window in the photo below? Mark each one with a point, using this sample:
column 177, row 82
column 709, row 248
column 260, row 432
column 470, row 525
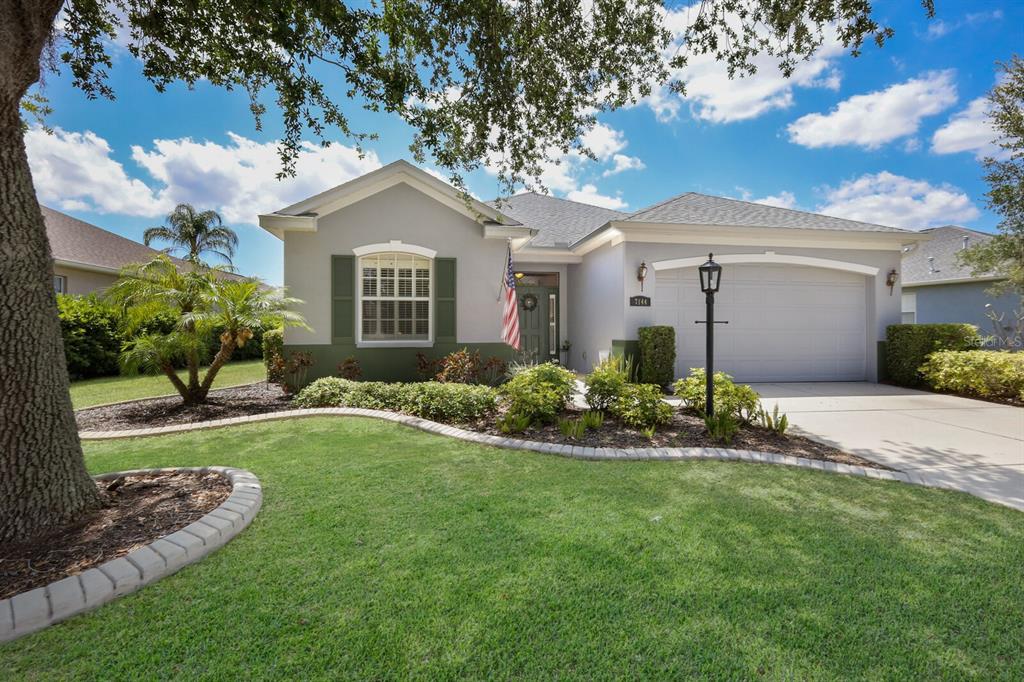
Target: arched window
column 395, row 297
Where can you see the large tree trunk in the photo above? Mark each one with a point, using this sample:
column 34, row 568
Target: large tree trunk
column 43, row 480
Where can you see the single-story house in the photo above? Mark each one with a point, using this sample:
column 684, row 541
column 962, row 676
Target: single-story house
column 937, row 288
column 87, row 258
column 397, row 262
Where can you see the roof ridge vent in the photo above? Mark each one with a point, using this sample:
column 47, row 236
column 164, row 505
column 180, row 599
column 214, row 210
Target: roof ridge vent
column 966, row 239
column 931, row 265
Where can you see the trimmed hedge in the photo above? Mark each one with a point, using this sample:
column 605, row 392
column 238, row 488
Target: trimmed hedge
column 433, row 400
column 538, row 394
column 907, row 346
column 979, row 373
column 641, row 406
column 92, row 336
column 657, row 354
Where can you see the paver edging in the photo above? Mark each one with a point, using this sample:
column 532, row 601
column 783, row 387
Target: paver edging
column 40, row 607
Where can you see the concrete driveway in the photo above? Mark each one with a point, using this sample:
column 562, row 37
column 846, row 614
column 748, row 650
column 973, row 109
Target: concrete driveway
column 951, row 442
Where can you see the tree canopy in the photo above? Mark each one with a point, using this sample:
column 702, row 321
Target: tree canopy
column 1004, row 253
column 503, row 82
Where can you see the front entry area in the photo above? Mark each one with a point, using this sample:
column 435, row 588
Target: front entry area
column 538, row 315
column 786, row 322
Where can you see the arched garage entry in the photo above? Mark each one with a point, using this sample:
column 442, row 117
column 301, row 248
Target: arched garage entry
column 791, row 318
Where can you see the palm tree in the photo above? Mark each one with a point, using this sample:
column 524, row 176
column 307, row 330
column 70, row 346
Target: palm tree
column 195, row 232
column 202, row 302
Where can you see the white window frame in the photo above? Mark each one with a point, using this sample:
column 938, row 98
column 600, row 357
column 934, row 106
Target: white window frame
column 398, row 248
column 60, row 284
column 908, row 306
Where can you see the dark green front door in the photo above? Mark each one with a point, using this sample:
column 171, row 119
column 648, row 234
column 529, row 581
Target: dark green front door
column 538, row 321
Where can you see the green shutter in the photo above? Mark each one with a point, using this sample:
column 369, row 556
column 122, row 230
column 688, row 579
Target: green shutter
column 444, row 299
column 343, row 310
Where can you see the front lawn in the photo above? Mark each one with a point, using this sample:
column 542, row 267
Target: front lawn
column 383, row 552
column 89, row 392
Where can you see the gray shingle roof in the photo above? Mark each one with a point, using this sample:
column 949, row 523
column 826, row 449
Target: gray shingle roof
column 942, row 248
column 75, row 240
column 560, row 221
column 692, row 208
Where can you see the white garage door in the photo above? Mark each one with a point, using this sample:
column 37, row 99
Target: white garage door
column 786, row 322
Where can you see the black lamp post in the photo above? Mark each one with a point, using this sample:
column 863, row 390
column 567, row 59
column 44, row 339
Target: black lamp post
column 710, row 278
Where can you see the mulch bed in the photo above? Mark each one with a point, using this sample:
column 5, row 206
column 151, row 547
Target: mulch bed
column 685, row 431
column 239, row 401
column 137, row 510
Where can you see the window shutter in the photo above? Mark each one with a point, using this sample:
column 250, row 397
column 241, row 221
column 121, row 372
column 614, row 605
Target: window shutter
column 343, row 310
column 444, row 299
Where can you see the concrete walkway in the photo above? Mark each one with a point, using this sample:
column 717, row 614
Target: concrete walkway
column 950, row 442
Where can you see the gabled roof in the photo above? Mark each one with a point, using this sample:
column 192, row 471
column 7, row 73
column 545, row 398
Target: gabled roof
column 560, row 222
column 76, row 242
column 692, row 208
column 945, row 242
column 303, row 215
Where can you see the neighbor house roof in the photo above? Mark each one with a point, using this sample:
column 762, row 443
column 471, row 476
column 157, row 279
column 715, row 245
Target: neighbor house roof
column 561, row 222
column 76, row 243
column 935, row 261
column 692, row 208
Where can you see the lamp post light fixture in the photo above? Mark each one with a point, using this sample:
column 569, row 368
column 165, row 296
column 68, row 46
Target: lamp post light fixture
column 710, row 279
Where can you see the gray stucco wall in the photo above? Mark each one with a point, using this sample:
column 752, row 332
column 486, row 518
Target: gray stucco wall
column 600, row 311
column 405, row 214
column 962, row 302
column 597, row 305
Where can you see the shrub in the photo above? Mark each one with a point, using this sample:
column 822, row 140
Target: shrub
column 572, row 428
column 539, row 392
column 593, row 420
column 739, row 400
column 291, row 372
column 514, row 423
column 908, row 345
column 722, row 427
column 448, row 402
column 981, row 373
column 92, row 336
column 326, row 392
column 273, row 347
column 641, row 406
column 657, row 354
column 773, row 421
column 605, row 383
column 460, row 367
column 375, row 395
column 349, row 369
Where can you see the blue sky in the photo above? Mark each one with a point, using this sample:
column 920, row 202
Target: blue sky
column 891, row 137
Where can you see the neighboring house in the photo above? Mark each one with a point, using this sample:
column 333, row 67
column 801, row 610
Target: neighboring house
column 397, row 263
column 936, row 288
column 86, row 258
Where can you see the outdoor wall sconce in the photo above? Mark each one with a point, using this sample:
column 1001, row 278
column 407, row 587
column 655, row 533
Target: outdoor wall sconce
column 641, row 274
column 890, row 280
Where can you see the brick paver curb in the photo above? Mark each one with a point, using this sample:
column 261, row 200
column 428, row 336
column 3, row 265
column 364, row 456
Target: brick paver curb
column 43, row 606
column 562, row 450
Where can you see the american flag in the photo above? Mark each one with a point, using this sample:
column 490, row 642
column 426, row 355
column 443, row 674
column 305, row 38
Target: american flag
column 510, row 316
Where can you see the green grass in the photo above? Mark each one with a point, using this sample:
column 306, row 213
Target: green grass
column 382, row 552
column 90, row 392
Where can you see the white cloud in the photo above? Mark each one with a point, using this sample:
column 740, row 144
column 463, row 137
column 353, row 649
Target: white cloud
column 911, row 145
column 238, row 178
column 781, row 200
column 717, row 98
column 967, row 131
column 75, row 172
column 939, row 28
column 876, row 118
column 888, row 199
column 588, row 194
column 604, row 141
column 623, row 163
